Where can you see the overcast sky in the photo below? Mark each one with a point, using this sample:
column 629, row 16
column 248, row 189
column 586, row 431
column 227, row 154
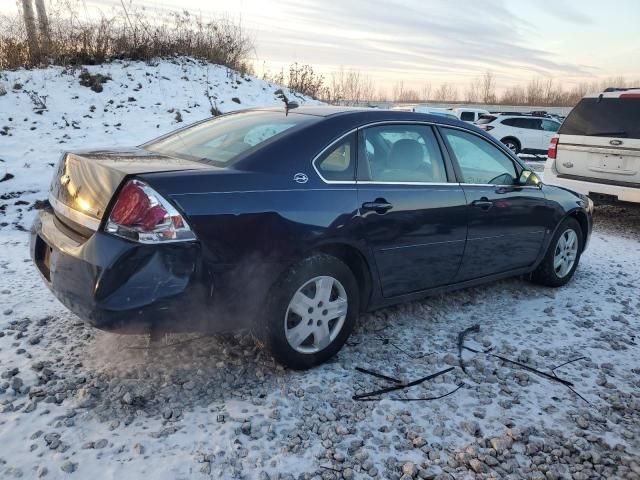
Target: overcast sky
column 419, row 41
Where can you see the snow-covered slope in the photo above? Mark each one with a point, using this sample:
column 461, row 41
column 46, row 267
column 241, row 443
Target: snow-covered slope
column 140, row 102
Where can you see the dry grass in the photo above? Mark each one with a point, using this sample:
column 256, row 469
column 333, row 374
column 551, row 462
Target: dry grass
column 129, row 33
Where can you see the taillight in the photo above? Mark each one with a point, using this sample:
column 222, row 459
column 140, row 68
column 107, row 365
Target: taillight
column 143, row 215
column 486, row 128
column 553, row 148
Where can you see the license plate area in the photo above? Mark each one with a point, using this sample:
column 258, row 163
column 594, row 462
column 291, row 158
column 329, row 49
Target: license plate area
column 43, row 257
column 614, row 164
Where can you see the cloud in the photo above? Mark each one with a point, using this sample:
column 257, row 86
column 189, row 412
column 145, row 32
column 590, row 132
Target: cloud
column 420, row 38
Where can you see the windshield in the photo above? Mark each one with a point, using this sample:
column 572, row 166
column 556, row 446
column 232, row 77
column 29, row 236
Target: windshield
column 609, row 117
column 221, row 140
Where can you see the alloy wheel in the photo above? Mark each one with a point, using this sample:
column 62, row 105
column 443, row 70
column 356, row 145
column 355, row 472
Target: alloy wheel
column 316, row 314
column 566, row 252
column 511, row 146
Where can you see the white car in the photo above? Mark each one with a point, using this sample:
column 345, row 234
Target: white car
column 442, row 112
column 597, row 149
column 470, row 115
column 524, row 133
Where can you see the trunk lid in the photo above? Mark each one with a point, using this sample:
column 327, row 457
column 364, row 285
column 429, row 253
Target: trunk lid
column 612, row 159
column 85, row 181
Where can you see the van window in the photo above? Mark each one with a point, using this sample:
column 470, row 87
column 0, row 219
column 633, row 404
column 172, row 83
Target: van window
column 467, row 116
column 609, row 117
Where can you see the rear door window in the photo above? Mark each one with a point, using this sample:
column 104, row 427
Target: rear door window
column 511, row 122
column 530, row 123
column 608, row 117
column 401, row 154
column 550, row 126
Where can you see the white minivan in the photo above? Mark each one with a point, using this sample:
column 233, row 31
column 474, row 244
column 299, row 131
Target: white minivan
column 597, row 149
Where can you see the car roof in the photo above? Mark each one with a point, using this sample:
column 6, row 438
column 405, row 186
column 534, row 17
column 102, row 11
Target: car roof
column 469, row 109
column 320, row 110
column 367, row 114
column 520, row 115
column 613, row 92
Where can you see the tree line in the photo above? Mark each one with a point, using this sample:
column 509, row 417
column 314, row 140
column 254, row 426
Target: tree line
column 352, row 87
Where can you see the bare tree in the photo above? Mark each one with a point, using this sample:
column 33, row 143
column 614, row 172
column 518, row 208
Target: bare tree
column 43, row 24
column 398, row 91
column 425, row 92
column 446, row 92
column 472, row 95
column 488, row 88
column 30, row 25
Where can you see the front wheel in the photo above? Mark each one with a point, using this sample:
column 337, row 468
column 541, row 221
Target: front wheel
column 311, row 312
column 562, row 257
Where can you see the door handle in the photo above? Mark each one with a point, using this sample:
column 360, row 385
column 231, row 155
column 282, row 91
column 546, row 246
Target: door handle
column 380, row 205
column 483, row 204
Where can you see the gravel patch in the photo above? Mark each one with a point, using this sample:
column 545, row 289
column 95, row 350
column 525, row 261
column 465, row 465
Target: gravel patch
column 76, row 401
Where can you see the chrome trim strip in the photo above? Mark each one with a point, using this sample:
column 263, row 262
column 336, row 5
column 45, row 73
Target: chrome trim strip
column 498, row 144
column 613, row 147
column 428, row 184
column 74, row 215
column 301, row 189
column 600, row 150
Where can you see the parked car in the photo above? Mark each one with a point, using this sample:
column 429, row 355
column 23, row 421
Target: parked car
column 294, row 223
column 521, row 132
column 467, row 114
column 597, row 149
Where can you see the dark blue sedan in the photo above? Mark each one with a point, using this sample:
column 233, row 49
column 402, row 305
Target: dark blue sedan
column 292, row 223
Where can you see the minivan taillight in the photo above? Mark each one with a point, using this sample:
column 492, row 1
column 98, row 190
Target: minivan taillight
column 141, row 214
column 553, row 148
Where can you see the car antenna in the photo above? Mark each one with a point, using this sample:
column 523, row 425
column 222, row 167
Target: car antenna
column 287, row 104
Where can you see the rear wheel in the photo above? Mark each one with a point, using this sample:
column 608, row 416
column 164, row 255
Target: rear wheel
column 512, row 144
column 311, row 312
column 562, row 257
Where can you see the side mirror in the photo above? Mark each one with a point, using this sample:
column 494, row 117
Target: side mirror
column 527, row 177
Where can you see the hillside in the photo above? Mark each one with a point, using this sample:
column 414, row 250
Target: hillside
column 47, row 111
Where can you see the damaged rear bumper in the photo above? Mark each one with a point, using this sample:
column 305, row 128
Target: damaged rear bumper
column 118, row 285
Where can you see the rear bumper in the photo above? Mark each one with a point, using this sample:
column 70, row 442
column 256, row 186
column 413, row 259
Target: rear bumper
column 592, row 187
column 115, row 284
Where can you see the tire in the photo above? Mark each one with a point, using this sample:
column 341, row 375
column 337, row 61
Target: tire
column 512, row 144
column 548, row 272
column 298, row 331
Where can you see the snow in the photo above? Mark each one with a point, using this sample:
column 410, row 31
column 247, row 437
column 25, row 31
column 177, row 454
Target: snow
column 139, row 103
column 300, row 421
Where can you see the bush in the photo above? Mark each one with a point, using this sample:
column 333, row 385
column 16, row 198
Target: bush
column 94, row 82
column 132, row 34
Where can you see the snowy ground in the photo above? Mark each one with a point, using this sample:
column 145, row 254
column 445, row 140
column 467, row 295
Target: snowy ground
column 99, row 405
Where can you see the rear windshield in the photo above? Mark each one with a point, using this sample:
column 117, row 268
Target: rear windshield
column 609, row 117
column 221, row 140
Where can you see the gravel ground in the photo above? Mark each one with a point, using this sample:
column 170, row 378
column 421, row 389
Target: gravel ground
column 81, row 403
column 78, row 401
